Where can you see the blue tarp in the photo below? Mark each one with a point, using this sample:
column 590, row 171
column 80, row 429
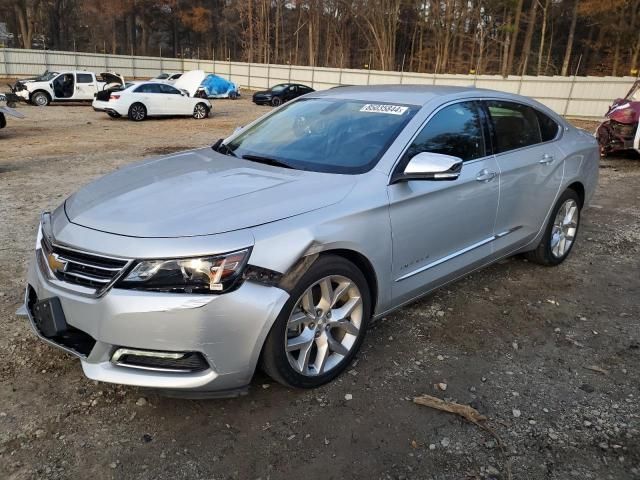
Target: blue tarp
column 218, row 87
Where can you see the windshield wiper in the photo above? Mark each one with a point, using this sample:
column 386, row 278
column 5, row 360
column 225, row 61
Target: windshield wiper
column 222, row 148
column 267, row 161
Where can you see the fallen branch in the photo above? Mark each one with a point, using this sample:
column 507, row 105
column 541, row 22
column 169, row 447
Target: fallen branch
column 471, row 415
column 595, row 368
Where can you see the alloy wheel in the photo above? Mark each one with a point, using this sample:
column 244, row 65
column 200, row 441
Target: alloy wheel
column 324, row 325
column 199, row 111
column 137, row 112
column 564, row 228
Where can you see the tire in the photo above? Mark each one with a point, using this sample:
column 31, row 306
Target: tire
column 552, row 251
column 233, row 95
column 137, row 112
column 113, row 114
column 40, row 99
column 276, row 101
column 200, row 111
column 304, row 321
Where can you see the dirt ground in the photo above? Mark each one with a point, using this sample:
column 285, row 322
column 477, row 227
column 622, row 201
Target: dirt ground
column 550, row 355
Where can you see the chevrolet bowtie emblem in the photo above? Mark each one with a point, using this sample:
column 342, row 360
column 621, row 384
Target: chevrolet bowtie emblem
column 55, row 264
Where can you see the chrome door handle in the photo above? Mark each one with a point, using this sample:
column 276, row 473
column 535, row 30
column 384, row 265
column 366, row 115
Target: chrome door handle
column 546, row 159
column 485, row 175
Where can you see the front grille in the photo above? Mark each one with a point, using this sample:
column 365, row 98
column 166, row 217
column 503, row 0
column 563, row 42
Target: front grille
column 80, row 268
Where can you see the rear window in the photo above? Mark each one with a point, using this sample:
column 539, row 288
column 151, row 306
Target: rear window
column 516, row 125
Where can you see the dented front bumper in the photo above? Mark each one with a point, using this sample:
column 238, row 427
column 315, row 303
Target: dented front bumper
column 228, row 330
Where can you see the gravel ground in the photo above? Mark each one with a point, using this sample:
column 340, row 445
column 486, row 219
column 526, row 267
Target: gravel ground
column 549, row 355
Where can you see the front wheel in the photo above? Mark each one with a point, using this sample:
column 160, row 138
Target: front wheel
column 276, row 101
column 200, row 111
column 561, row 231
column 321, row 327
column 137, row 112
column 40, row 99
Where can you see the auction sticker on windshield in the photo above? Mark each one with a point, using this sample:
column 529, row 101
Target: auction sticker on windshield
column 384, row 108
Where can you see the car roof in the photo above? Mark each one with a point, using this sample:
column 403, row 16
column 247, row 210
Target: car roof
column 407, row 94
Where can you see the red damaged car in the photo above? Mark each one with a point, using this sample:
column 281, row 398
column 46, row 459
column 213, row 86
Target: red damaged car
column 620, row 129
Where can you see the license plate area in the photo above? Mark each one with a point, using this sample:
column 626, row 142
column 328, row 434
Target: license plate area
column 49, row 321
column 49, row 317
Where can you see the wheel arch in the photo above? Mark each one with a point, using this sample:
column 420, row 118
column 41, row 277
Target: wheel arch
column 291, row 277
column 40, row 90
column 578, row 187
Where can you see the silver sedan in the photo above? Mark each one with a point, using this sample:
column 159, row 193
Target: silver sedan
column 277, row 246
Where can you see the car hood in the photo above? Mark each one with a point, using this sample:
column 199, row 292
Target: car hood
column 200, row 192
column 190, row 81
column 263, row 92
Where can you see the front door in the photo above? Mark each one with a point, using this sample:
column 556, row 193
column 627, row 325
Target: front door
column 531, row 170
column 441, row 229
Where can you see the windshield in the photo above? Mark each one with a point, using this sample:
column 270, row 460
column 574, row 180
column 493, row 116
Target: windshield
column 162, row 76
column 46, row 76
column 277, row 88
column 325, row 135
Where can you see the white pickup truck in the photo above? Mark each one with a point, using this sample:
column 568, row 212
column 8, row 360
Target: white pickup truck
column 65, row 86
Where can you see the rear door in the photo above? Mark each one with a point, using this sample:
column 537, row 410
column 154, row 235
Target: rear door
column 441, row 229
column 85, row 86
column 531, row 170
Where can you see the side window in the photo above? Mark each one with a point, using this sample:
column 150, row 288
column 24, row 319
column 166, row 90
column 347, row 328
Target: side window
column 548, row 127
column 148, row 88
column 84, row 78
column 455, row 130
column 515, row 125
column 169, row 89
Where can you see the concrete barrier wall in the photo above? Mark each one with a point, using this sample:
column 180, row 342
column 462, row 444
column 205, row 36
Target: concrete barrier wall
column 570, row 96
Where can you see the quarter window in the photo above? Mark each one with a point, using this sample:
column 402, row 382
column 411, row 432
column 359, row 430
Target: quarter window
column 515, row 125
column 455, row 130
column 548, row 127
column 84, row 78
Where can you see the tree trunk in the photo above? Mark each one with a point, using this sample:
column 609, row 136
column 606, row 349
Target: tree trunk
column 514, row 37
column 524, row 59
column 572, row 31
column 506, row 48
column 542, row 36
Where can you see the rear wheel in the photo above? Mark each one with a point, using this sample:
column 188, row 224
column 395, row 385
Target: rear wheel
column 321, row 327
column 40, row 99
column 276, row 101
column 233, row 95
column 137, row 112
column 200, row 111
column 561, row 231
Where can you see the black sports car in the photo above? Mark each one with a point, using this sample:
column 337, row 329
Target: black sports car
column 278, row 94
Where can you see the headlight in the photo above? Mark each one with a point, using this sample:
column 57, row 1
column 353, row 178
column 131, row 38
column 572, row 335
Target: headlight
column 212, row 274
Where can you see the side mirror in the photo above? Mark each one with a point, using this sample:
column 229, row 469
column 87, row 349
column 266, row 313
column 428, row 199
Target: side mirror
column 430, row 166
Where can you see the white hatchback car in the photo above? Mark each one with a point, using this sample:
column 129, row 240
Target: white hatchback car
column 141, row 100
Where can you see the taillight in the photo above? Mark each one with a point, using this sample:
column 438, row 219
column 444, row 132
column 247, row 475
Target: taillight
column 114, row 97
